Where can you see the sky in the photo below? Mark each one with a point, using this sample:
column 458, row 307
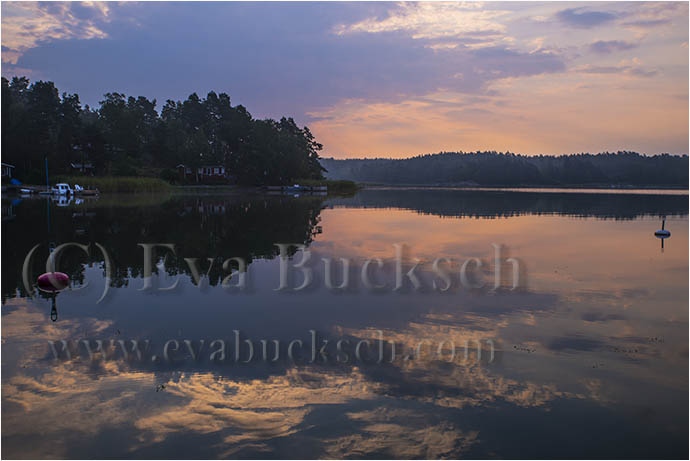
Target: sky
column 387, row 79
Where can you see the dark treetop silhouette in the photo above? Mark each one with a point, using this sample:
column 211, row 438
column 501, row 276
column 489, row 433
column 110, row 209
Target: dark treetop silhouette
column 126, row 136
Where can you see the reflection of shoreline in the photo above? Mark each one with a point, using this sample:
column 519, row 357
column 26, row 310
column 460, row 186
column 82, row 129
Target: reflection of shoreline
column 490, row 203
column 656, row 190
column 96, row 201
column 244, row 226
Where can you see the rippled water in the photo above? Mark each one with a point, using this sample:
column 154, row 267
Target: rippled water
column 582, row 351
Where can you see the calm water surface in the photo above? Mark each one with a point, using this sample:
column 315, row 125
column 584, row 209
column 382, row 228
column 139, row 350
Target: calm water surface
column 586, row 357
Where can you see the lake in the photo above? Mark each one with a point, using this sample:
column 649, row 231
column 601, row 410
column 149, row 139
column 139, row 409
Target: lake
column 397, row 323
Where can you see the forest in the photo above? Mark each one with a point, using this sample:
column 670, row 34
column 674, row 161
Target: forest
column 622, row 168
column 127, row 136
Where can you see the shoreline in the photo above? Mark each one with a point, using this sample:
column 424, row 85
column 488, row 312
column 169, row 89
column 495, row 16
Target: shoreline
column 237, row 189
column 527, row 186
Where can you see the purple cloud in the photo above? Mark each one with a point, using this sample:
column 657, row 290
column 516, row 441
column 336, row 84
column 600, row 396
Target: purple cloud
column 646, row 23
column 633, row 69
column 608, row 47
column 277, row 59
column 575, row 17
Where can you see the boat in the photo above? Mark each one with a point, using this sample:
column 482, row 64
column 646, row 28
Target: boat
column 65, row 189
column 62, row 189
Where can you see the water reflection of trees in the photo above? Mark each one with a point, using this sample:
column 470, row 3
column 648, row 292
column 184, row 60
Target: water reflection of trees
column 200, row 227
column 221, row 227
column 491, row 204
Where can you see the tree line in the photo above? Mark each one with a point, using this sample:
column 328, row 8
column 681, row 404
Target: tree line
column 622, row 168
column 127, row 136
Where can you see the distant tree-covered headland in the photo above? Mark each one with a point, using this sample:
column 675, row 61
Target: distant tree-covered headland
column 507, row 169
column 207, row 139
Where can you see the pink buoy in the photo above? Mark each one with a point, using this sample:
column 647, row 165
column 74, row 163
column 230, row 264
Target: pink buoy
column 53, row 282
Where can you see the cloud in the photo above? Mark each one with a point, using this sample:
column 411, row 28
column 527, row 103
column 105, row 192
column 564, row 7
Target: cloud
column 463, row 21
column 26, row 24
column 648, row 15
column 503, row 62
column 600, row 317
column 382, row 432
column 610, row 46
column 633, row 68
column 575, row 17
column 645, row 23
column 575, row 343
column 371, row 66
column 250, row 412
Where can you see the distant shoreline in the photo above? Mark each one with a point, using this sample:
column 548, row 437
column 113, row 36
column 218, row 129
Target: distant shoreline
column 621, row 170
